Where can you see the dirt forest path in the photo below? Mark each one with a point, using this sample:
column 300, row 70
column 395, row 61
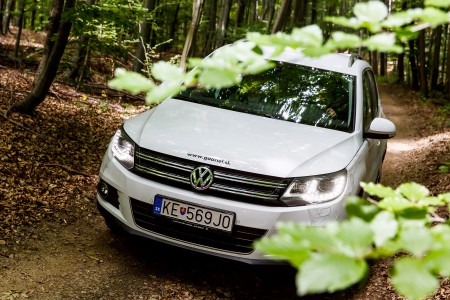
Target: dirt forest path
column 83, row 260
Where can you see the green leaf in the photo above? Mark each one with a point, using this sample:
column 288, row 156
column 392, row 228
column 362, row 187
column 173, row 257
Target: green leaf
column 329, row 272
column 219, row 78
column 431, row 201
column 444, row 197
column 441, row 236
column 315, row 52
column 438, row 261
column 130, row 81
column 414, row 213
column 413, row 191
column 162, row 92
column 444, row 169
column 285, row 247
column 433, row 16
column 167, row 72
column 356, row 237
column 342, row 40
column 378, row 190
column 412, row 279
column 384, row 226
column 382, row 42
column 345, row 22
column 398, row 20
column 308, row 36
column 318, row 238
column 415, row 238
column 371, row 11
column 361, row 208
column 395, row 204
column 438, row 3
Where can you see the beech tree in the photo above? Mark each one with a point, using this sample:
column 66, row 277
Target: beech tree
column 55, row 44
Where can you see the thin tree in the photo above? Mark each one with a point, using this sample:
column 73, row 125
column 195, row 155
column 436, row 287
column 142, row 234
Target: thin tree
column 55, row 44
column 197, row 11
column 7, row 16
column 283, row 16
column 19, row 33
column 422, row 64
column 436, row 58
column 145, row 30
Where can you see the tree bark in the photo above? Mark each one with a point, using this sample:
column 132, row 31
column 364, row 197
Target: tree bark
column 283, row 16
column 300, row 12
column 270, row 14
column 145, row 32
column 19, row 34
column 401, row 68
column 212, row 16
column 413, row 64
column 436, row 58
column 53, row 53
column 7, row 16
column 422, row 64
column 33, row 15
column 197, row 10
column 224, row 21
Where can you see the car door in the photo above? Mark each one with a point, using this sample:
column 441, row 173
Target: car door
column 371, row 111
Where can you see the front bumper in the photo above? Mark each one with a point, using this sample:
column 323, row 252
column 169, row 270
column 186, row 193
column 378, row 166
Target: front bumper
column 131, row 209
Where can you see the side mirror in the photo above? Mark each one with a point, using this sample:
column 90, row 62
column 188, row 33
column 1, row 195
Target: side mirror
column 380, row 129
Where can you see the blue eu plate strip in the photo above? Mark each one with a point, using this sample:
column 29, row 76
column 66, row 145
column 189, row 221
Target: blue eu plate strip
column 157, row 205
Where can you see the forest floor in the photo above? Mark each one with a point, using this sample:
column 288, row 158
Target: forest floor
column 55, row 245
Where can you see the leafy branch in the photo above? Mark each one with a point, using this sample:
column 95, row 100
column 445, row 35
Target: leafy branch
column 226, row 66
column 334, row 257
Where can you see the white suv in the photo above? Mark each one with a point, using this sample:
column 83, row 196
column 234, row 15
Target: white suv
column 214, row 170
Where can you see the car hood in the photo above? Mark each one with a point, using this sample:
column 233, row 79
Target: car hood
column 241, row 141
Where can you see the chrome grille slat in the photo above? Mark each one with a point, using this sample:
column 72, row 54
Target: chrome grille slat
column 164, row 162
column 249, row 180
column 230, row 184
column 163, row 174
column 243, row 192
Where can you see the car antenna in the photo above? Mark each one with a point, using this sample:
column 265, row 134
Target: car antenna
column 352, row 59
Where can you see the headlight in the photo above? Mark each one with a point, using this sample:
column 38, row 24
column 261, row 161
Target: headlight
column 123, row 149
column 315, row 189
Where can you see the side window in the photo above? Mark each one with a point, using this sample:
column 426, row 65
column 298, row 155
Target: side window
column 370, row 99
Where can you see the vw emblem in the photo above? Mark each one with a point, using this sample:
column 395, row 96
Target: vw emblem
column 201, row 178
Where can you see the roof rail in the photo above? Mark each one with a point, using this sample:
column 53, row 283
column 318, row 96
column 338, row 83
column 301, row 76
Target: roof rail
column 352, row 59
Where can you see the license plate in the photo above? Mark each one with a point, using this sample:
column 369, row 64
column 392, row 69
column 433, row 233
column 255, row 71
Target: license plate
column 193, row 214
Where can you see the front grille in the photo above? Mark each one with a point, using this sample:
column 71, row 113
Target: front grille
column 240, row 240
column 228, row 183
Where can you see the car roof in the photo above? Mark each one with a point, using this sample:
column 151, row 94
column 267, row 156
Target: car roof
column 337, row 62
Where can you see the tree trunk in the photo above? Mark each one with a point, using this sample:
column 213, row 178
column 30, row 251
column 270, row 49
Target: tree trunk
column 448, row 67
column 270, row 14
column 436, row 58
column 19, row 34
column 240, row 12
column 2, row 8
column 223, row 22
column 197, row 10
column 401, row 68
column 33, row 15
column 413, row 64
column 283, row 16
column 375, row 62
column 300, row 13
column 145, row 29
column 422, row 64
column 212, row 16
column 53, row 53
column 80, row 59
column 314, row 12
column 7, row 16
column 383, row 64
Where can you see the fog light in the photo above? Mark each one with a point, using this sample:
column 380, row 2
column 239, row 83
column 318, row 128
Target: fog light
column 103, row 189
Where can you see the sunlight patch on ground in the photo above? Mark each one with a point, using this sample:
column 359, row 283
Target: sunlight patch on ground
column 405, row 145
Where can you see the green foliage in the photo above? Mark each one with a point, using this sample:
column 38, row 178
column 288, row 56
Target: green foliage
column 334, row 257
column 226, row 66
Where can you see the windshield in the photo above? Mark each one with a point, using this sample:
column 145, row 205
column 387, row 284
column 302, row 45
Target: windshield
column 288, row 92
